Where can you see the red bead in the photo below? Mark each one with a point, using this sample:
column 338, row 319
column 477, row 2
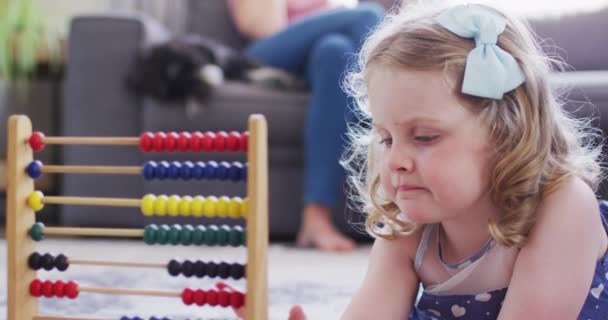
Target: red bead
column 36, row 288
column 146, row 141
column 71, row 290
column 212, row 298
column 36, row 141
column 183, row 143
column 196, row 143
column 219, row 144
column 208, row 141
column 47, row 288
column 200, row 297
column 237, row 299
column 244, row 141
column 159, row 141
column 233, row 141
column 223, row 298
column 171, row 141
column 188, row 296
column 59, row 289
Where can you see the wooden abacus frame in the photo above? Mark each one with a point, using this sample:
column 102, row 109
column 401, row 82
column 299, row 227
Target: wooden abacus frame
column 20, row 218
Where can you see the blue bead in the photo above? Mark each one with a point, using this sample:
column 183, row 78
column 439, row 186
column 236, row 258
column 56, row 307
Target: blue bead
column 186, row 170
column 210, row 170
column 33, row 169
column 198, row 172
column 149, row 170
column 125, row 318
column 174, row 169
column 235, row 171
column 222, row 170
column 162, row 170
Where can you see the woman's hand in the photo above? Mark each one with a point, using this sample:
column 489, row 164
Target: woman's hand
column 260, row 18
column 296, row 312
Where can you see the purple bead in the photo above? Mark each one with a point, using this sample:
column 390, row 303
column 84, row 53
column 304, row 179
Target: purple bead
column 33, row 169
column 222, row 170
column 235, row 172
column 162, row 170
column 210, row 170
column 174, row 169
column 186, row 170
column 198, row 172
column 149, row 170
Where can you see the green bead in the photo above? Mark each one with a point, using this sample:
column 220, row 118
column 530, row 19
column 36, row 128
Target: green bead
column 185, row 236
column 174, row 234
column 36, row 232
column 211, row 235
column 222, row 235
column 162, row 236
column 244, row 237
column 198, row 235
column 234, row 237
column 150, row 233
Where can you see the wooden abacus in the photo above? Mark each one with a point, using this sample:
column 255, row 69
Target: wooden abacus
column 23, row 231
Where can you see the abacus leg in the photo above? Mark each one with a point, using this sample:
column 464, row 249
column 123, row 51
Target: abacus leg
column 256, row 302
column 19, row 217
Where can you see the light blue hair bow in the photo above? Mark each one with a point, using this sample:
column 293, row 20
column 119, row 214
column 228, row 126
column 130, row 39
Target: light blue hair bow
column 490, row 72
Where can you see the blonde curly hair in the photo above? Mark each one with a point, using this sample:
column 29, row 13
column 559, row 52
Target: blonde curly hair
column 538, row 145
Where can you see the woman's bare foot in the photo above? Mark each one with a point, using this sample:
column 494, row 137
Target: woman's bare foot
column 318, row 231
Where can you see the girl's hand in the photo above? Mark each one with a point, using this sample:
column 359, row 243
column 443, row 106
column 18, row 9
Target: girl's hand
column 296, row 312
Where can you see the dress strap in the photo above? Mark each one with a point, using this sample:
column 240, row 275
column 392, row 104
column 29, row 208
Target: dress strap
column 424, row 241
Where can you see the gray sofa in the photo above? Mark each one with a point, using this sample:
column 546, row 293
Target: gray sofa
column 97, row 102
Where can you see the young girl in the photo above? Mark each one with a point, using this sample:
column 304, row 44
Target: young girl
column 477, row 184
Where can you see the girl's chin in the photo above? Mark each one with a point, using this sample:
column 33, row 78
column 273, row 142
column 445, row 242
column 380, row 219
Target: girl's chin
column 417, row 213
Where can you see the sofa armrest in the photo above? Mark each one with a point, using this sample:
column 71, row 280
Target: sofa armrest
column 98, row 103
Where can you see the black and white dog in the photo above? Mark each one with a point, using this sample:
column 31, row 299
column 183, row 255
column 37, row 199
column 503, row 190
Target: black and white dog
column 191, row 66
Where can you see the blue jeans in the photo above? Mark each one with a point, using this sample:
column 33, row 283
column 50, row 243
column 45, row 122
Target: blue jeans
column 320, row 48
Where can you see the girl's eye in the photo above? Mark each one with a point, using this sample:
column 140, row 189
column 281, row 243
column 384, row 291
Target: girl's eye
column 425, row 139
column 386, row 141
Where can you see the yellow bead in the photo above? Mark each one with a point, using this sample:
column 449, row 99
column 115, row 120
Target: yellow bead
column 222, row 206
column 197, row 206
column 160, row 205
column 210, row 206
column 35, row 200
column 147, row 205
column 245, row 208
column 173, row 205
column 234, row 208
column 185, row 206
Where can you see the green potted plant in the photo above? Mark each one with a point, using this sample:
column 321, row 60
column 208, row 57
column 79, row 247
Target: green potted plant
column 30, row 63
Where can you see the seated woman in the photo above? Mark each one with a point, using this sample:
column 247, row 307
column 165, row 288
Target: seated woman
column 315, row 39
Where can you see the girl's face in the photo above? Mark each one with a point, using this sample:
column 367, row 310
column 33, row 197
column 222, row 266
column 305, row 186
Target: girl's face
column 432, row 152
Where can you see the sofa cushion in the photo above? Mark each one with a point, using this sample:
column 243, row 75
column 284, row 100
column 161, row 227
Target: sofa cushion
column 581, row 38
column 228, row 109
column 211, row 18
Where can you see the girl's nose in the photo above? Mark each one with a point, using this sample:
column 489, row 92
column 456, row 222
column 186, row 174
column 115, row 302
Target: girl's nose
column 400, row 160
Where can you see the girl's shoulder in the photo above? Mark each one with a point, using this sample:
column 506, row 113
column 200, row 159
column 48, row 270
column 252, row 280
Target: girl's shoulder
column 402, row 248
column 568, row 215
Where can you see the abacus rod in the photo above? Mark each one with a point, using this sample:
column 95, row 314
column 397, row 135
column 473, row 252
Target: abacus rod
column 117, row 264
column 100, row 232
column 91, row 169
column 125, row 141
column 94, row 201
column 65, row 318
column 154, row 293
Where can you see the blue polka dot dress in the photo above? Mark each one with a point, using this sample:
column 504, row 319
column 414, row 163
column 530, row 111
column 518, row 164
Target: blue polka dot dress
column 444, row 304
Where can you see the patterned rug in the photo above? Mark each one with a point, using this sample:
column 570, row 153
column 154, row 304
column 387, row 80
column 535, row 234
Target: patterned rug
column 321, row 282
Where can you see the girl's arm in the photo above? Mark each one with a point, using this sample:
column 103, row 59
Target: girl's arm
column 259, row 18
column 390, row 285
column 554, row 269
